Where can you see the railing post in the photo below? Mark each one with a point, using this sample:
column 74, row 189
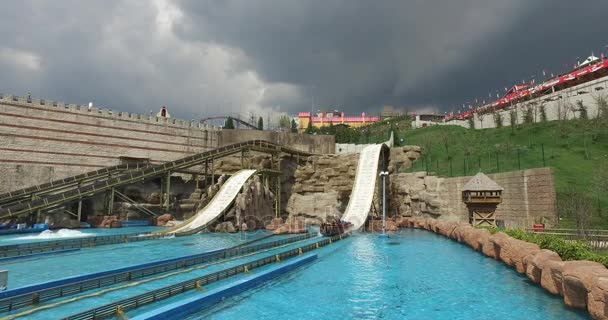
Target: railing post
column 518, row 160
column 542, row 148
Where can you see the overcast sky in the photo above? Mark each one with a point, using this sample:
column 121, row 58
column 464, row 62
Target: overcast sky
column 207, row 58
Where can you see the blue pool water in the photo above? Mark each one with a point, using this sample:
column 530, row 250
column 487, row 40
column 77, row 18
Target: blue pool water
column 24, row 272
column 420, row 276
column 35, row 237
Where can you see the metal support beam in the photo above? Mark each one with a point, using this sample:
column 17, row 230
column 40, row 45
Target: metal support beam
column 242, row 159
column 111, row 202
column 168, row 191
column 79, row 210
column 212, row 172
column 278, row 195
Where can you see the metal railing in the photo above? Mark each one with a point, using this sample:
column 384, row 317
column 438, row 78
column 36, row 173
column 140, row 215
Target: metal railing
column 112, row 309
column 137, row 175
column 17, row 196
column 67, row 289
column 595, row 239
column 84, row 242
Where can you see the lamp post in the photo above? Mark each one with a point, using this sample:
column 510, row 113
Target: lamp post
column 384, row 174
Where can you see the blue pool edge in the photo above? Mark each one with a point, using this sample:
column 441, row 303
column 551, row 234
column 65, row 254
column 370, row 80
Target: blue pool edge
column 194, row 304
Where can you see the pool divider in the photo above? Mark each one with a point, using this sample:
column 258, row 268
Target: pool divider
column 194, row 304
column 37, row 293
column 73, row 243
column 119, row 307
column 36, row 255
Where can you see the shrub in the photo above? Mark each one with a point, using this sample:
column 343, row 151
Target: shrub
column 574, row 250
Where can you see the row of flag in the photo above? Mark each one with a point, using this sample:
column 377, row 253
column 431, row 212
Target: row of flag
column 546, row 76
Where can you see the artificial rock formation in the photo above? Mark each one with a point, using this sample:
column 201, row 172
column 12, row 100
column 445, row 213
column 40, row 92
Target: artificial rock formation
column 418, row 194
column 322, row 187
column 253, row 207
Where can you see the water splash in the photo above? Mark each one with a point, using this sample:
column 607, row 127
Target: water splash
column 59, row 234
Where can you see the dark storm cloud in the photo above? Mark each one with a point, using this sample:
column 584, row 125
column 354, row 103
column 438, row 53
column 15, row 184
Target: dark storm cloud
column 419, row 53
column 205, row 58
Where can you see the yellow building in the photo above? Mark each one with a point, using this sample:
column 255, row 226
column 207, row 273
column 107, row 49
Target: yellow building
column 323, row 119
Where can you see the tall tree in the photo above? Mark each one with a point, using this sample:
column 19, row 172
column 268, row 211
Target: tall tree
column 284, row 122
column 309, row 128
column 260, row 123
column 294, row 126
column 229, row 124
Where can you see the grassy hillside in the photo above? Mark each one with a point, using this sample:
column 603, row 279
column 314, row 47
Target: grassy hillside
column 576, row 149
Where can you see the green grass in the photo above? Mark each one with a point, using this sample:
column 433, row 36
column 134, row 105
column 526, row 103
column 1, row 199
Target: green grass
column 469, row 151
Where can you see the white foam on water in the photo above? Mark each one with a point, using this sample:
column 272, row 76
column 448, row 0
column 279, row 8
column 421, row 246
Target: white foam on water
column 59, row 234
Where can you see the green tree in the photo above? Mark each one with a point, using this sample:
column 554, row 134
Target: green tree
column 471, row 123
column 528, row 116
column 543, row 113
column 582, row 110
column 229, row 124
column 513, row 120
column 284, row 122
column 309, row 128
column 498, row 119
column 294, row 126
column 260, row 123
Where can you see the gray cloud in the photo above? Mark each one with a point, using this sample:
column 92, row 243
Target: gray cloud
column 204, row 58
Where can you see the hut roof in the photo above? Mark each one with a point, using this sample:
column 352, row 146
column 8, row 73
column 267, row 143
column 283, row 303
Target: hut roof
column 481, row 182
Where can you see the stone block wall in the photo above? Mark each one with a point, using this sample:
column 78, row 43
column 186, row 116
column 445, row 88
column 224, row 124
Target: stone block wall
column 529, row 197
column 42, row 141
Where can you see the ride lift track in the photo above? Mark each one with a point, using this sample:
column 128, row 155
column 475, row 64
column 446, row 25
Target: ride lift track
column 100, row 182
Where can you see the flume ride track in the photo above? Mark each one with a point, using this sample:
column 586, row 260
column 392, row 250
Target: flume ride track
column 27, row 194
column 215, row 208
column 364, row 186
column 131, row 176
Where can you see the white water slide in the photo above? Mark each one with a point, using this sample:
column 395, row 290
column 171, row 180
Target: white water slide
column 218, row 205
column 362, row 195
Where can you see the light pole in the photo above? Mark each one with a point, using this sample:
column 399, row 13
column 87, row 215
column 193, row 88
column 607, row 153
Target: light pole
column 384, row 174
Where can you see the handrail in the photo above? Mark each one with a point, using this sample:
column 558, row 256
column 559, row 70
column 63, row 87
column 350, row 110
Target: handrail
column 137, row 301
column 136, row 175
column 67, row 288
column 65, row 182
column 16, row 250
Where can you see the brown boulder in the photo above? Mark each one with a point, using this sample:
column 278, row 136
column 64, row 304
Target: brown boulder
column 596, row 300
column 515, row 253
column 551, row 276
column 579, row 278
column 475, row 238
column 535, row 263
column 163, row 219
column 274, row 223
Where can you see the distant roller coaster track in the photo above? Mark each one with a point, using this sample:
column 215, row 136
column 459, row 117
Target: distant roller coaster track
column 246, row 124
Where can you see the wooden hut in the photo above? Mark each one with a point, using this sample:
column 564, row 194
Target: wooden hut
column 482, row 195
